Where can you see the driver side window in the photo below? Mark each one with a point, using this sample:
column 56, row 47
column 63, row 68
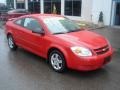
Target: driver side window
column 32, row 24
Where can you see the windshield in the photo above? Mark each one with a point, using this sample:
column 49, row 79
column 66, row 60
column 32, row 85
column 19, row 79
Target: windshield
column 60, row 25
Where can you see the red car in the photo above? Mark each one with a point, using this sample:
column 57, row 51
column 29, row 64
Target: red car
column 60, row 41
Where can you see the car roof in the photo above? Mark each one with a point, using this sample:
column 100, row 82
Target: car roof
column 44, row 16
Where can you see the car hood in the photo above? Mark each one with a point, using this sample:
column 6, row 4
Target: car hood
column 83, row 38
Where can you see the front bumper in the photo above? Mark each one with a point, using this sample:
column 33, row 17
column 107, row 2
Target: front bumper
column 89, row 63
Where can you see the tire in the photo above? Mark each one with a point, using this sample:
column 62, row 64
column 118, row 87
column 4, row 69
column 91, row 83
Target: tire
column 11, row 43
column 57, row 61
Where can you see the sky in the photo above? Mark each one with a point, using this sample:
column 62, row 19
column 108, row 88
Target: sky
column 2, row 1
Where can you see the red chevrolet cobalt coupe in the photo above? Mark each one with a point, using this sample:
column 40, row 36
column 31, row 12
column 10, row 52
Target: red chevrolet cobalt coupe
column 60, row 41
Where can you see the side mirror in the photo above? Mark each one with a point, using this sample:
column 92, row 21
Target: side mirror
column 39, row 31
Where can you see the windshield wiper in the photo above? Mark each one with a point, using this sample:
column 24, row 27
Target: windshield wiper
column 68, row 31
column 74, row 30
column 60, row 33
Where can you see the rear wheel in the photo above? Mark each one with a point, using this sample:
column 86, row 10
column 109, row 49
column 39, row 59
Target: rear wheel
column 11, row 43
column 57, row 61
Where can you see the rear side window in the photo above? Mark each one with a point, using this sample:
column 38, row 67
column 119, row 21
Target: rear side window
column 20, row 22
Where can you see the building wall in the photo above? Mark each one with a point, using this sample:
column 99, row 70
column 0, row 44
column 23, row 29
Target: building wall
column 86, row 11
column 105, row 7
column 90, row 10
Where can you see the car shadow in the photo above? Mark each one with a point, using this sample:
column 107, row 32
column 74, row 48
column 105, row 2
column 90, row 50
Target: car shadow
column 87, row 74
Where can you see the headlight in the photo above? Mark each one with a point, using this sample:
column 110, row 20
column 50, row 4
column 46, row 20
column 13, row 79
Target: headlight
column 81, row 51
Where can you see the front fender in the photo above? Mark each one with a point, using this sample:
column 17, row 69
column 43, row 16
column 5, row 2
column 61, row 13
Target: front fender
column 62, row 49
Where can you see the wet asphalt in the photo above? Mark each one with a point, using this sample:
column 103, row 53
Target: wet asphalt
column 22, row 70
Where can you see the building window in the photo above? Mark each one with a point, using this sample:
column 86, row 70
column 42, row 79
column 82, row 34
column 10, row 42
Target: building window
column 20, row 4
column 34, row 6
column 52, row 6
column 73, row 7
column 10, row 4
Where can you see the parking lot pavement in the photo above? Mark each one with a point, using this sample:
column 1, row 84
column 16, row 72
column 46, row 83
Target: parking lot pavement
column 112, row 34
column 22, row 70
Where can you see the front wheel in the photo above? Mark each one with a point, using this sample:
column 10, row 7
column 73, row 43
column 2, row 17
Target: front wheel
column 11, row 43
column 57, row 61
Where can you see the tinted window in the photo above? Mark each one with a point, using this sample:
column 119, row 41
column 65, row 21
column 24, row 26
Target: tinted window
column 73, row 7
column 32, row 24
column 20, row 4
column 52, row 6
column 34, row 6
column 20, row 22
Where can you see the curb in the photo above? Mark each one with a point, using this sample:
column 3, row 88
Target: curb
column 96, row 28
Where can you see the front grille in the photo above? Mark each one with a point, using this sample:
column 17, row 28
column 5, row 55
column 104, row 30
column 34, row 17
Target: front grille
column 102, row 50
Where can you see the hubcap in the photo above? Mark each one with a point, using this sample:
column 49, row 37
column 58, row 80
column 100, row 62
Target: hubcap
column 56, row 61
column 10, row 42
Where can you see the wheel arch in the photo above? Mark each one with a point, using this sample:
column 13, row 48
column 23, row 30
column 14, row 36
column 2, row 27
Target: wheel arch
column 53, row 48
column 60, row 50
column 8, row 34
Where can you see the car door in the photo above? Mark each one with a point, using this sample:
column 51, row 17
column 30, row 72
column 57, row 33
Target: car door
column 18, row 30
column 29, row 40
column 34, row 41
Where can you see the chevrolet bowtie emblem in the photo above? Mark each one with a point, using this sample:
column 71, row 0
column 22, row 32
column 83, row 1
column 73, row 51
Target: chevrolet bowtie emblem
column 104, row 50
